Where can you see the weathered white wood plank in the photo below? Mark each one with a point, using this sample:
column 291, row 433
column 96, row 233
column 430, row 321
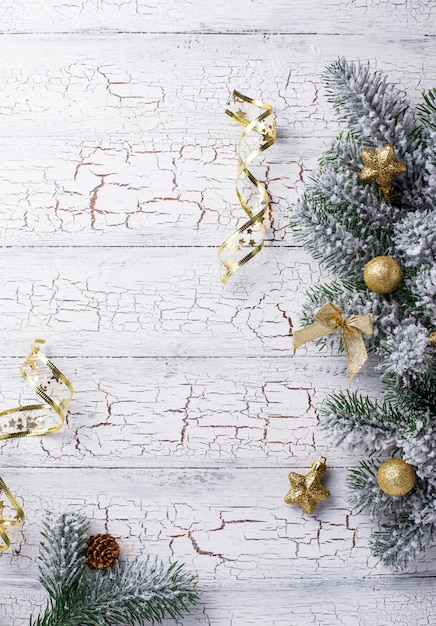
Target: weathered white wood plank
column 150, row 16
column 229, row 525
column 171, row 90
column 54, row 192
column 152, row 302
column 186, row 413
column 397, row 602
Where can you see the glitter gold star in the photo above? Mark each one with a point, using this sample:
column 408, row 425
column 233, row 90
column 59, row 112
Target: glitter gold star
column 382, row 166
column 306, row 490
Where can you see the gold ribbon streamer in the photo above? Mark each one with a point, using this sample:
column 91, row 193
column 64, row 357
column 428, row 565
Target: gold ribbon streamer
column 39, row 373
column 252, row 196
column 56, row 391
column 329, row 319
column 7, row 523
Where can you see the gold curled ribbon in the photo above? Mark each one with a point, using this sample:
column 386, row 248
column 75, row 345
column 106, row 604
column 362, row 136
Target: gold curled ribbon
column 330, row 318
column 40, row 374
column 252, row 195
column 8, row 523
column 56, row 391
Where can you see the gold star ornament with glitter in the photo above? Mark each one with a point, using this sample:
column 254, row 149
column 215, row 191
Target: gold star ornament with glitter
column 306, row 490
column 381, row 166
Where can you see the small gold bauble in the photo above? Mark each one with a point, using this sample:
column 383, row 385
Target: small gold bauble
column 432, row 339
column 382, row 274
column 396, row 477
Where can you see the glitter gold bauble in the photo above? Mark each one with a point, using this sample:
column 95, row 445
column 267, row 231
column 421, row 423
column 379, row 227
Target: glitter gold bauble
column 102, row 551
column 381, row 166
column 396, row 477
column 382, row 274
column 432, row 339
column 306, row 490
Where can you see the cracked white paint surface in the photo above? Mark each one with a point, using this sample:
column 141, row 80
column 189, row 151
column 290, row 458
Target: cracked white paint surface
column 117, row 169
column 341, row 16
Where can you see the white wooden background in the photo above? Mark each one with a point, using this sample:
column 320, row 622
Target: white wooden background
column 117, row 169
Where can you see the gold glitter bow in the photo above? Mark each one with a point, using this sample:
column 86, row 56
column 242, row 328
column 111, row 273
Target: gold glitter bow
column 8, row 523
column 258, row 135
column 51, row 386
column 329, row 319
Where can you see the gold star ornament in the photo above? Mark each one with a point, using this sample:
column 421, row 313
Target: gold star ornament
column 382, row 166
column 306, row 490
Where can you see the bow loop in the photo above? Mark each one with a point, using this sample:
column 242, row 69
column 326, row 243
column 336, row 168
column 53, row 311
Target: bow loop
column 362, row 323
column 330, row 316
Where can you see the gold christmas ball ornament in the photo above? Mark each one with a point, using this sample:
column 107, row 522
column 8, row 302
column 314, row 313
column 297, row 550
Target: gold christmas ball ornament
column 432, row 339
column 102, row 551
column 396, row 477
column 382, row 274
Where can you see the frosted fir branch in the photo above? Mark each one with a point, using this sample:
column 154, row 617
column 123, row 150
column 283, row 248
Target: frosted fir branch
column 130, row 593
column 420, row 395
column 407, row 523
column 61, row 559
column 349, row 199
column 369, row 105
column 359, row 421
column 378, row 113
column 417, row 442
column 406, row 352
column 425, row 290
column 326, row 239
column 415, row 238
column 427, row 111
column 405, row 534
column 399, row 543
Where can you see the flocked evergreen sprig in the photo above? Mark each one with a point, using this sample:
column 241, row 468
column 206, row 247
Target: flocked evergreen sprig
column 129, row 593
column 345, row 223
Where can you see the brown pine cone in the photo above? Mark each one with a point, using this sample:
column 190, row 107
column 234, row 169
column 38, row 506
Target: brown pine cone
column 102, row 551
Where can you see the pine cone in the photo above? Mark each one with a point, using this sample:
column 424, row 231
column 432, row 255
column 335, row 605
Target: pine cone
column 102, row 551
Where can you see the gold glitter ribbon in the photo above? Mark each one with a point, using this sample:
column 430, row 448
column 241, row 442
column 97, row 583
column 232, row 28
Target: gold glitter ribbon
column 51, row 386
column 56, row 391
column 329, row 319
column 249, row 239
column 8, row 523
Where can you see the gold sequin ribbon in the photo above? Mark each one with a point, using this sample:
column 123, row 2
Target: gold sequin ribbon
column 329, row 319
column 51, row 386
column 258, row 135
column 56, row 391
column 8, row 524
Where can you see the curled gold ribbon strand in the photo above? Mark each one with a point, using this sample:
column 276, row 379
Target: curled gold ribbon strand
column 9, row 523
column 40, row 374
column 233, row 252
column 56, row 391
column 330, row 318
